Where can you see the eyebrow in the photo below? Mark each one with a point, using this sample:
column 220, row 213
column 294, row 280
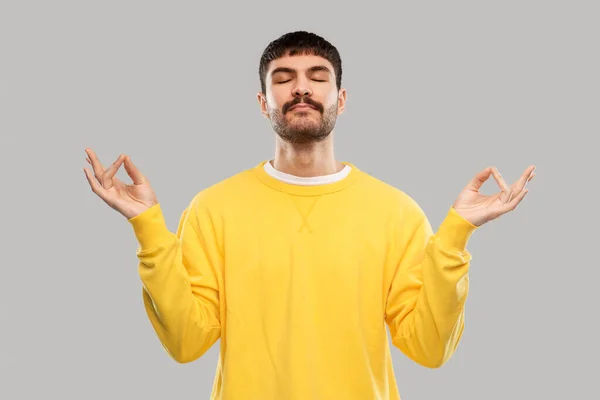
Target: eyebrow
column 291, row 70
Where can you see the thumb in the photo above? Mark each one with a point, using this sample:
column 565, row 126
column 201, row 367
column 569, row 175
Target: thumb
column 479, row 179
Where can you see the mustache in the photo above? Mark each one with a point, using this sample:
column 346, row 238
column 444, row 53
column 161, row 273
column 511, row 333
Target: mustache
column 299, row 100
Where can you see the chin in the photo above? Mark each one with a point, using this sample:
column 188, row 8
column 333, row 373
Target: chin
column 307, row 130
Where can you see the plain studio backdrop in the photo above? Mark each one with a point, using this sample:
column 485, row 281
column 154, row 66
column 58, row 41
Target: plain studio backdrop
column 437, row 91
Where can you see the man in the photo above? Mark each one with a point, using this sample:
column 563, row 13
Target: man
column 298, row 264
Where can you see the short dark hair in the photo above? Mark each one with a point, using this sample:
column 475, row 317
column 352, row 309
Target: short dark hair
column 300, row 43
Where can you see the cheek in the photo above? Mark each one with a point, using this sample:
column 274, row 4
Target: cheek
column 329, row 98
column 276, row 99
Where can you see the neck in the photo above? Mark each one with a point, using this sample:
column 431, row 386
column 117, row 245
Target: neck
column 306, row 160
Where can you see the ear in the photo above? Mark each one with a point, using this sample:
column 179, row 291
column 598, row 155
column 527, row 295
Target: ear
column 262, row 102
column 342, row 95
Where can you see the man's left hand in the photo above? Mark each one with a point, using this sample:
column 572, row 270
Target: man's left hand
column 479, row 209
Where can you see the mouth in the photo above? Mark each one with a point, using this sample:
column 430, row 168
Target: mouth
column 302, row 106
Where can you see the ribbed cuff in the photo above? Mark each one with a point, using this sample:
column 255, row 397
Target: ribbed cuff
column 455, row 231
column 150, row 228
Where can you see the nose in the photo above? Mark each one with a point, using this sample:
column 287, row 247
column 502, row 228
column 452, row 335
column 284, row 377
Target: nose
column 301, row 90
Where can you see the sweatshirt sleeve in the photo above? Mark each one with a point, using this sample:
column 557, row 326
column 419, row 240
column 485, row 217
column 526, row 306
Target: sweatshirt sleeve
column 181, row 277
column 428, row 290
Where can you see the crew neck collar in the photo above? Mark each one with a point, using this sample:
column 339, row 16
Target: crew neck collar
column 306, row 190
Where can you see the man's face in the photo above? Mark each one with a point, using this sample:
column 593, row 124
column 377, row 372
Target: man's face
column 302, row 100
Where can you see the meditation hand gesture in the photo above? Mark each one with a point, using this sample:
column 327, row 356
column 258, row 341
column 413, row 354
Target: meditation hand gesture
column 479, row 209
column 129, row 200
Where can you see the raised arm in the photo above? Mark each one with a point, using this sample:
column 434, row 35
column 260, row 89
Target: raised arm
column 180, row 272
column 426, row 299
column 425, row 306
column 181, row 276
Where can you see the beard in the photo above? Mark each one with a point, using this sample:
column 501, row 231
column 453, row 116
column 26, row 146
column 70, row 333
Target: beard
column 304, row 128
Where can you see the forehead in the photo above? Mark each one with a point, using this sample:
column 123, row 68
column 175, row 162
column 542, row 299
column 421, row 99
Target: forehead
column 299, row 63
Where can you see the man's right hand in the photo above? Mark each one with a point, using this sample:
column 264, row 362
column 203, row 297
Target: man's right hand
column 129, row 200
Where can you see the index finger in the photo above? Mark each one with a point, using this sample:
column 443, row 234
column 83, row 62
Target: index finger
column 498, row 177
column 134, row 173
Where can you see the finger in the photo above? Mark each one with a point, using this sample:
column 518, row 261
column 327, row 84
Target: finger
column 107, row 177
column 133, row 172
column 502, row 184
column 529, row 179
column 94, row 184
column 518, row 186
column 95, row 163
column 515, row 201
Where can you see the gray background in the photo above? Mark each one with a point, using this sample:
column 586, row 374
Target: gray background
column 436, row 92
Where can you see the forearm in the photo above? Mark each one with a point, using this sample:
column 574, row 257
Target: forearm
column 430, row 325
column 430, row 333
column 184, row 322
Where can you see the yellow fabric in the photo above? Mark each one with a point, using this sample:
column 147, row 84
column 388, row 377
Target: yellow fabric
column 300, row 282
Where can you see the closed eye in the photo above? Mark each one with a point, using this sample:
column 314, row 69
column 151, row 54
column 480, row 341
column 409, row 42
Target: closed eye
column 316, row 80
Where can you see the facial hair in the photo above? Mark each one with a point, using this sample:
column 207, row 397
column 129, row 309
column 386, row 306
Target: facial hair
column 303, row 129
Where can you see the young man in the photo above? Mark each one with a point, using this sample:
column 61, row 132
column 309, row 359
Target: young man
column 299, row 263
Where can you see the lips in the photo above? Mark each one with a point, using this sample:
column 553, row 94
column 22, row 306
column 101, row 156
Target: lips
column 302, row 106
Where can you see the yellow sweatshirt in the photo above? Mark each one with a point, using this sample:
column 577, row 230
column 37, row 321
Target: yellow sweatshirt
column 300, row 282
